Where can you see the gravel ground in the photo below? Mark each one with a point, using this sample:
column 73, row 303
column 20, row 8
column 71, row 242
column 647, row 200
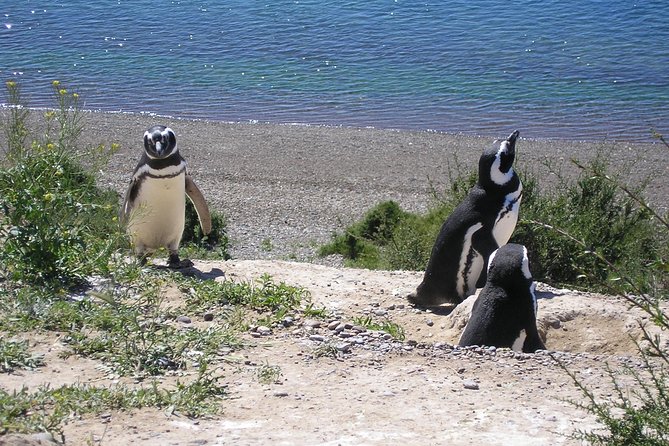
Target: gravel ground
column 286, row 188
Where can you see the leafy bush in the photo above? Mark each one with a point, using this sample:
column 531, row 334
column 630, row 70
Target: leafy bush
column 56, row 225
column 388, row 237
column 593, row 211
column 639, row 416
column 214, row 245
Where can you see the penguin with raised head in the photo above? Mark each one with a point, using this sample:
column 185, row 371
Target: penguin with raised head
column 155, row 204
column 479, row 225
column 505, row 312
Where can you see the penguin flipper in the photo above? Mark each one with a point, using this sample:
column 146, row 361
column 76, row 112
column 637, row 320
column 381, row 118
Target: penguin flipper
column 484, row 242
column 200, row 204
column 128, row 201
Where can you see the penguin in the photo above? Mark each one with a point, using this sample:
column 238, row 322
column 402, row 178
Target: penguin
column 479, row 225
column 154, row 207
column 505, row 312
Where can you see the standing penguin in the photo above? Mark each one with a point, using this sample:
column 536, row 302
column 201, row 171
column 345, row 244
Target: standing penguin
column 505, row 312
column 483, row 222
column 154, row 206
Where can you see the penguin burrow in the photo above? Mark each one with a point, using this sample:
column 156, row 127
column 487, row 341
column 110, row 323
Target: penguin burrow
column 505, row 312
column 154, row 205
column 479, row 225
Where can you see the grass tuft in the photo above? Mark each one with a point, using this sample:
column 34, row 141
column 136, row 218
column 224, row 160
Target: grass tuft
column 14, row 355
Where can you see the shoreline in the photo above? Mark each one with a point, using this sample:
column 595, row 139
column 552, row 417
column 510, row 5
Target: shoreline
column 148, row 114
column 285, row 188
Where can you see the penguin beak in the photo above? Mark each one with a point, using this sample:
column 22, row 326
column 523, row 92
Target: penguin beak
column 512, row 138
column 157, row 140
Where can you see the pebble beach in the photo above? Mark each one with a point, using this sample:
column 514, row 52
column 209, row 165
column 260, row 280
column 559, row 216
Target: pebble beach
column 285, row 189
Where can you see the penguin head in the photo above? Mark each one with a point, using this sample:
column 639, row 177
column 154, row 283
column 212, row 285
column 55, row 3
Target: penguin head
column 496, row 163
column 160, row 142
column 509, row 266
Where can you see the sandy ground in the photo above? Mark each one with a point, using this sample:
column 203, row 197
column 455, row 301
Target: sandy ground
column 284, row 190
column 377, row 392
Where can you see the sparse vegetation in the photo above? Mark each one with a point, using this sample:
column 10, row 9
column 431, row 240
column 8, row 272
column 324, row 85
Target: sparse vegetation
column 66, row 269
column 47, row 409
column 14, row 354
column 639, row 416
column 393, row 329
column 269, row 374
column 59, row 241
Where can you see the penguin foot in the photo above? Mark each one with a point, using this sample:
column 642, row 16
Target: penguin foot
column 428, row 300
column 174, row 262
column 420, row 301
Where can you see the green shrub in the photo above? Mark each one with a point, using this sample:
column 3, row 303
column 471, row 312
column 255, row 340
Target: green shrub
column 361, row 242
column 638, row 411
column 56, row 226
column 593, row 211
column 214, row 245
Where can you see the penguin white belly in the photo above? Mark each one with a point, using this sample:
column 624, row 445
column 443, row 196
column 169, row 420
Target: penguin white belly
column 471, row 264
column 158, row 217
column 507, row 218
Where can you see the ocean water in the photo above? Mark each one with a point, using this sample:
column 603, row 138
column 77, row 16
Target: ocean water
column 554, row 69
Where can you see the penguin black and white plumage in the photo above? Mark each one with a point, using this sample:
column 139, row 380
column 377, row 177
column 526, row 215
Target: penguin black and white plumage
column 505, row 312
column 479, row 225
column 155, row 204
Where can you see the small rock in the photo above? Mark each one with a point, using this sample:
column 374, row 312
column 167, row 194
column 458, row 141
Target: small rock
column 333, row 325
column 380, row 312
column 317, row 338
column 184, row 319
column 263, row 331
column 343, row 347
column 43, row 438
column 470, row 385
column 281, row 394
column 429, row 323
column 312, row 323
column 208, row 317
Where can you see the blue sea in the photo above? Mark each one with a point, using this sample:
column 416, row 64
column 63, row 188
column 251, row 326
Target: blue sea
column 567, row 69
